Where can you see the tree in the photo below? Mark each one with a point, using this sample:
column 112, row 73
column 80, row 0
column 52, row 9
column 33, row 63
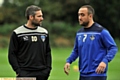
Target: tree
column 107, row 13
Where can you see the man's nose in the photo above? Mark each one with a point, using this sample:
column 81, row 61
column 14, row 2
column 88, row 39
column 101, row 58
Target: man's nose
column 42, row 18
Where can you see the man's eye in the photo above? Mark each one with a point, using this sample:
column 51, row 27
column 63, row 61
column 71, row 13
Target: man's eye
column 82, row 14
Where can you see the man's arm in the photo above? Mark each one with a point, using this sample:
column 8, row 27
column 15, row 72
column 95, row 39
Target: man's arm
column 111, row 46
column 13, row 48
column 48, row 51
column 74, row 53
column 72, row 57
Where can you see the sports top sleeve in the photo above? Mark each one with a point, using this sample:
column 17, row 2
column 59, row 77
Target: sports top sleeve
column 49, row 57
column 110, row 44
column 13, row 49
column 74, row 53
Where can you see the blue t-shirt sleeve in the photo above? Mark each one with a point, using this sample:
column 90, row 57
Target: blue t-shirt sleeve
column 110, row 44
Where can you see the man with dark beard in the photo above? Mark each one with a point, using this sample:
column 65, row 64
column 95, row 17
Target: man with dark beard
column 29, row 48
column 94, row 46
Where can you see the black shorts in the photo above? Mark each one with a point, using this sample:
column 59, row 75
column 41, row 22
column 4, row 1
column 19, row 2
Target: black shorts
column 93, row 78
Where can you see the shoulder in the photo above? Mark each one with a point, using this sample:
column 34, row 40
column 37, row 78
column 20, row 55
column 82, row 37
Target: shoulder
column 19, row 29
column 22, row 29
column 105, row 32
column 41, row 29
column 98, row 27
column 101, row 28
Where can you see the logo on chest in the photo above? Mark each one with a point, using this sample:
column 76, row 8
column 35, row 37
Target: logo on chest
column 25, row 38
column 92, row 37
column 43, row 37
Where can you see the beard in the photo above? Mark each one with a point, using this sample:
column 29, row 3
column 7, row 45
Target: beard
column 85, row 23
column 35, row 24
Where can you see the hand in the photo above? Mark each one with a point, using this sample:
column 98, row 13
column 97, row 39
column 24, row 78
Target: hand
column 67, row 68
column 101, row 68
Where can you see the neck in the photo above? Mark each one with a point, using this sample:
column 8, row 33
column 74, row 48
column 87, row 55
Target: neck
column 90, row 24
column 29, row 25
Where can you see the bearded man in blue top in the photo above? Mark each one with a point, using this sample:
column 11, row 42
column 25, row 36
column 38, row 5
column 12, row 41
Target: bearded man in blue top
column 94, row 46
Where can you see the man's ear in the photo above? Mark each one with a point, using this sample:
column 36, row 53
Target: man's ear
column 31, row 17
column 91, row 15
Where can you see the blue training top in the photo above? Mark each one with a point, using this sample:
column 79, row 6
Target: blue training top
column 93, row 45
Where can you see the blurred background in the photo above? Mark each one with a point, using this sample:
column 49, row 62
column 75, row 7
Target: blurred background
column 61, row 20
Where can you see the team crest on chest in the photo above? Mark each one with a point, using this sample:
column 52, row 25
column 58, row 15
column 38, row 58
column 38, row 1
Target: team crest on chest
column 43, row 38
column 92, row 37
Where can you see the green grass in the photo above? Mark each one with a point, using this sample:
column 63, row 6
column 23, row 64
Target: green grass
column 5, row 68
column 59, row 56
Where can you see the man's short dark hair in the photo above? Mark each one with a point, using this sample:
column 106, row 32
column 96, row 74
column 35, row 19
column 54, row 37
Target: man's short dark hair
column 90, row 9
column 31, row 10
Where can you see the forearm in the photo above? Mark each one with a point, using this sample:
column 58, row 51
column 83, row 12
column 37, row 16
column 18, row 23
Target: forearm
column 110, row 55
column 13, row 62
column 49, row 60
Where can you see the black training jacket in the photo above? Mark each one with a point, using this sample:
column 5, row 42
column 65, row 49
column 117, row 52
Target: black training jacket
column 29, row 49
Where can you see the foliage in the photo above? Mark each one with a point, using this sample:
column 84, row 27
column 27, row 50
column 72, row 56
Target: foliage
column 118, row 43
column 61, row 28
column 6, row 29
column 61, row 33
column 4, row 42
column 60, row 16
column 107, row 14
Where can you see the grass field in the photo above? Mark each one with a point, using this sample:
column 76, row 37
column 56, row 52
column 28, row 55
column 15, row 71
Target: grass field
column 59, row 56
